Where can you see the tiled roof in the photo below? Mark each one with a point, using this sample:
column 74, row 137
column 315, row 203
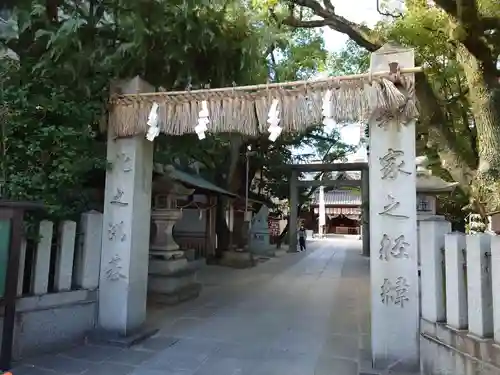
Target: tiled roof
column 339, row 198
column 335, row 175
column 190, row 179
column 350, row 175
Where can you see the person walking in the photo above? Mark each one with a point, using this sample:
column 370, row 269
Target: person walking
column 302, row 238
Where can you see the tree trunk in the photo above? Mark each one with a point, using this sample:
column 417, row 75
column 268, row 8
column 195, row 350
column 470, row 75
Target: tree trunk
column 484, row 98
column 221, row 227
column 283, row 234
column 227, row 180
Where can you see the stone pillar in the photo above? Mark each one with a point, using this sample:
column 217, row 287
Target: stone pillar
column 260, row 243
column 126, row 222
column 88, row 253
column 294, row 201
column 41, row 268
column 394, row 266
column 456, row 287
column 65, row 256
column 431, row 244
column 365, row 213
column 495, row 284
column 479, row 293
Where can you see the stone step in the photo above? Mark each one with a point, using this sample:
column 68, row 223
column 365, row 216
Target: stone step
column 171, row 283
column 238, row 259
column 182, row 294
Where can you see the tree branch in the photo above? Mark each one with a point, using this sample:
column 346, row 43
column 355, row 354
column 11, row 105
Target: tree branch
column 434, row 117
column 387, row 14
column 433, row 114
column 294, row 22
column 329, row 6
column 469, row 28
column 360, row 34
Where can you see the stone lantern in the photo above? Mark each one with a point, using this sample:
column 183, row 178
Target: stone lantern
column 428, row 187
column 171, row 278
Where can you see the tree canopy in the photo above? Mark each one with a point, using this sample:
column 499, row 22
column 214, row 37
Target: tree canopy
column 458, row 42
column 67, row 52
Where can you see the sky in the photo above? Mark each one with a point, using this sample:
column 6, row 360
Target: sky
column 359, row 11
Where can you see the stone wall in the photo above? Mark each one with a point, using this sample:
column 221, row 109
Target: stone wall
column 53, row 321
column 447, row 351
column 57, row 287
column 460, row 301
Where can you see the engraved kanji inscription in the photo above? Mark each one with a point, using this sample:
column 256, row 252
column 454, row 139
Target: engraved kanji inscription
column 391, row 208
column 116, row 231
column 395, row 293
column 114, row 271
column 396, row 248
column 118, row 198
column 124, row 161
column 386, row 292
column 401, row 290
column 391, row 166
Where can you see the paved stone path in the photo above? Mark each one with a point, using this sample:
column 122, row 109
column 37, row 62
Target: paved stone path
column 301, row 314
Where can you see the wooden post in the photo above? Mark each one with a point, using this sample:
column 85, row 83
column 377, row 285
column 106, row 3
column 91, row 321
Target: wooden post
column 294, row 201
column 208, row 213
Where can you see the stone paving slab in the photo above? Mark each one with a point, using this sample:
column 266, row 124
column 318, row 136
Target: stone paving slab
column 300, row 314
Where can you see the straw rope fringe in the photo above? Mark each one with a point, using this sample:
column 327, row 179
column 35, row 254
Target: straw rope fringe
column 246, row 112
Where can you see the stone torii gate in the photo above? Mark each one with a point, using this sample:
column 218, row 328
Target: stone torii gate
column 295, row 183
column 383, row 98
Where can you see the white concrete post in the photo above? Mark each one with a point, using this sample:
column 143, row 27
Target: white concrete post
column 88, row 256
column 456, row 287
column 479, row 293
column 395, row 309
column 431, row 243
column 495, row 284
column 126, row 225
column 65, row 255
column 42, row 258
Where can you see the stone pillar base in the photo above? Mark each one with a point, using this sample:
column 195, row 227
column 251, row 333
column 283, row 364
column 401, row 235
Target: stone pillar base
column 270, row 252
column 102, row 337
column 172, row 281
column 280, row 252
column 238, row 259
